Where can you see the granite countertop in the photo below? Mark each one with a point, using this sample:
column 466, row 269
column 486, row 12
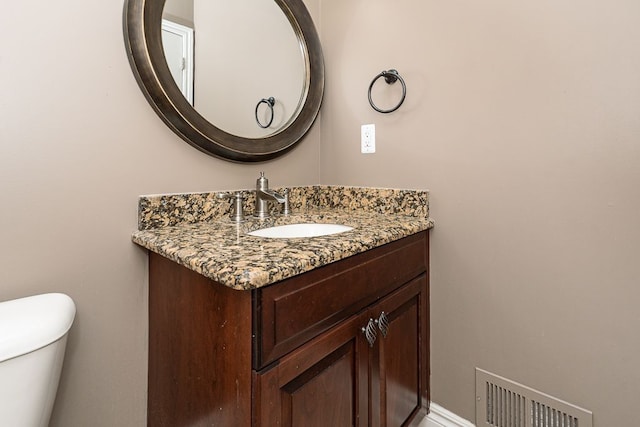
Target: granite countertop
column 194, row 230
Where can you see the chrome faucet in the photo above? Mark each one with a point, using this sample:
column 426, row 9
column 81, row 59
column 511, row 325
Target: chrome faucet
column 264, row 195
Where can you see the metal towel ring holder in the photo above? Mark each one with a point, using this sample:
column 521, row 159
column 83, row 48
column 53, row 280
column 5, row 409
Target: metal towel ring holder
column 390, row 77
column 270, row 103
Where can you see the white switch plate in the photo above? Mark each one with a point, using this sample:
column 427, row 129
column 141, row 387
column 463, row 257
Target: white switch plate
column 368, row 139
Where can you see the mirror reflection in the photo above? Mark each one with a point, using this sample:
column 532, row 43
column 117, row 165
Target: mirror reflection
column 239, row 63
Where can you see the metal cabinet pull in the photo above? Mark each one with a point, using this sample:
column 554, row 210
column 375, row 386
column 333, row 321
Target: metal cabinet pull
column 383, row 324
column 370, row 333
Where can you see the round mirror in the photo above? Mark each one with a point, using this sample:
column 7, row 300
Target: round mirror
column 239, row 79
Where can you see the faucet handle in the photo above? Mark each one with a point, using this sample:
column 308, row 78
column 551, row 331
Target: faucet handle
column 262, row 183
column 286, row 209
column 237, row 214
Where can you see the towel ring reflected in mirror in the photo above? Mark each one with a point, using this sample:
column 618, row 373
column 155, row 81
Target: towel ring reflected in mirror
column 143, row 40
column 269, row 102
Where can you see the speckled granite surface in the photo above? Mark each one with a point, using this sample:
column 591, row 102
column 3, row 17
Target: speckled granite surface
column 194, row 230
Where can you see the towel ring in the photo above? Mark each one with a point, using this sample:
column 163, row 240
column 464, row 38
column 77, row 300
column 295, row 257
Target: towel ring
column 390, row 77
column 270, row 103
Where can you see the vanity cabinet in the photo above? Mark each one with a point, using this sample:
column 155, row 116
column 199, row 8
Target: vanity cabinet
column 346, row 344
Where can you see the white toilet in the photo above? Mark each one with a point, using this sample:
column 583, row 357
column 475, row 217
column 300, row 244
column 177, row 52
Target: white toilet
column 33, row 337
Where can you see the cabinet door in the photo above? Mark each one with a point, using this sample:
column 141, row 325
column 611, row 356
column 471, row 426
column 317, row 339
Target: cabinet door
column 323, row 383
column 399, row 371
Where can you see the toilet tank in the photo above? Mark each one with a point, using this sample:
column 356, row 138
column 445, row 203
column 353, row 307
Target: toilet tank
column 33, row 335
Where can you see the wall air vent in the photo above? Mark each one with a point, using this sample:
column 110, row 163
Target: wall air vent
column 504, row 403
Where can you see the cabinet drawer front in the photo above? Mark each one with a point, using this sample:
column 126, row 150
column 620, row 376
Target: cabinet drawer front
column 295, row 310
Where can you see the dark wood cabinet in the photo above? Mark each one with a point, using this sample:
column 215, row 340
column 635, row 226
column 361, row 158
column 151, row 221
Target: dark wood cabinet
column 400, row 365
column 323, row 383
column 295, row 353
column 342, row 379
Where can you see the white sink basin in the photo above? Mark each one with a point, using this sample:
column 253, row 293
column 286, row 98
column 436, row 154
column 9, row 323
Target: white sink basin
column 300, row 230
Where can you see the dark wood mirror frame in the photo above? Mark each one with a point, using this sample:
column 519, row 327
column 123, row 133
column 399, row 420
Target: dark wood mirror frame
column 142, row 33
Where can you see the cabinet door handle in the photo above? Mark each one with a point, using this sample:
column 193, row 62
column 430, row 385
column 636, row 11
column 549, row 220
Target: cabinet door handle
column 370, row 333
column 383, row 324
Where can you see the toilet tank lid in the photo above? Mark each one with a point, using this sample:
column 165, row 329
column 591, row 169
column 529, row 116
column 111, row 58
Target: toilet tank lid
column 30, row 323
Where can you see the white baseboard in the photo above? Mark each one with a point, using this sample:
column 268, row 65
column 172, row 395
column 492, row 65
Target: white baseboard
column 440, row 417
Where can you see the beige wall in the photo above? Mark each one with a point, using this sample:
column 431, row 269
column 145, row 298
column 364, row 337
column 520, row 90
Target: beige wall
column 264, row 60
column 78, row 144
column 523, row 119
column 180, row 11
